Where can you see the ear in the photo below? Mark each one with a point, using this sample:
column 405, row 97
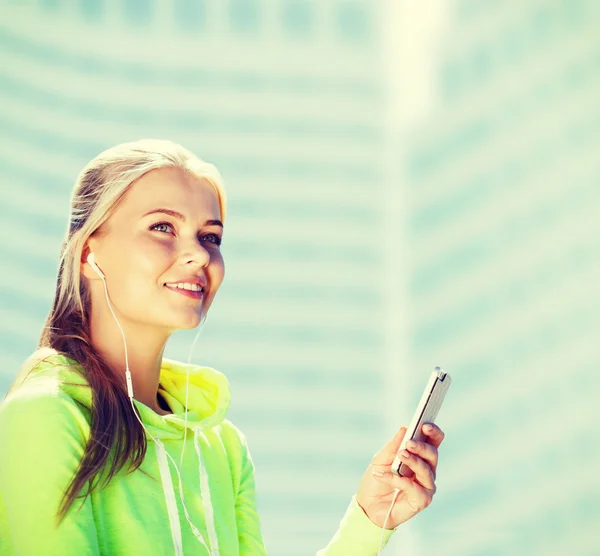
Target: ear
column 84, row 267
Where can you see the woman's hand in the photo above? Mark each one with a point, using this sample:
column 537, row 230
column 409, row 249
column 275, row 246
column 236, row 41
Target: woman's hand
column 376, row 489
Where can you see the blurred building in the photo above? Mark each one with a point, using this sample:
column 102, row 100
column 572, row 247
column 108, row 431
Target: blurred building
column 361, row 250
column 286, row 98
column 503, row 198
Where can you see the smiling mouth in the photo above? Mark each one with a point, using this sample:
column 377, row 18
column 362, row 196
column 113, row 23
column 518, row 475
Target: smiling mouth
column 193, row 293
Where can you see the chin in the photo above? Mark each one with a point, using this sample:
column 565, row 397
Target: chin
column 189, row 322
column 179, row 320
column 186, row 319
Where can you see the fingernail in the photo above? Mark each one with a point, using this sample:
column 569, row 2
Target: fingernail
column 377, row 472
column 428, row 428
column 404, row 454
column 411, row 444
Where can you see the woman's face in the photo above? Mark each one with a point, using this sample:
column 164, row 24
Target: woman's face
column 146, row 251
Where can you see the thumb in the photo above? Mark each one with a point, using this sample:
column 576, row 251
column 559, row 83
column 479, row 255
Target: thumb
column 386, row 455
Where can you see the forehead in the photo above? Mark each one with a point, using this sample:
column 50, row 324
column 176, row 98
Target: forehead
column 172, row 188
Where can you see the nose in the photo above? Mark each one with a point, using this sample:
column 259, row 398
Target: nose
column 195, row 255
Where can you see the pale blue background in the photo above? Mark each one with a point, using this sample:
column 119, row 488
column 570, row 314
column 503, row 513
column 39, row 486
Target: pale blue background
column 362, row 248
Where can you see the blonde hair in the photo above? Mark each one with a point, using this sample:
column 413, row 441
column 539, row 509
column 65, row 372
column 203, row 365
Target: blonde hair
column 98, row 190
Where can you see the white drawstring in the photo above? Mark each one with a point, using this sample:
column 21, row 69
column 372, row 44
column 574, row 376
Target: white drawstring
column 209, row 517
column 169, row 485
column 165, row 476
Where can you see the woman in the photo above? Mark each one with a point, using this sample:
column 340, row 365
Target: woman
column 107, row 447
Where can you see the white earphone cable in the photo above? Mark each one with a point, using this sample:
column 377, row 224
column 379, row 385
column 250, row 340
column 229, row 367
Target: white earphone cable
column 396, row 492
column 195, row 530
column 187, row 388
column 127, row 373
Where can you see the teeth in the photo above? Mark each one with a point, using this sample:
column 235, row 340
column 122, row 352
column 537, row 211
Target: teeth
column 186, row 286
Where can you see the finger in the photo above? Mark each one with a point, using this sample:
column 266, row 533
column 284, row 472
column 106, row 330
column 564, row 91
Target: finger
column 425, row 451
column 386, row 455
column 395, row 481
column 434, row 434
column 417, row 496
column 423, row 472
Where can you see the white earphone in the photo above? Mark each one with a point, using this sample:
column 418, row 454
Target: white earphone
column 92, row 261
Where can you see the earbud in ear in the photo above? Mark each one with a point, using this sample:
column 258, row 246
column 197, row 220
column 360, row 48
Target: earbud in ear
column 92, row 262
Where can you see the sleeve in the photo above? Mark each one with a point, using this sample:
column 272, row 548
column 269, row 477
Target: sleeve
column 248, row 522
column 41, row 443
column 357, row 535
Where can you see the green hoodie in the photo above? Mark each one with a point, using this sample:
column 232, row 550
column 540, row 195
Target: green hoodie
column 44, row 427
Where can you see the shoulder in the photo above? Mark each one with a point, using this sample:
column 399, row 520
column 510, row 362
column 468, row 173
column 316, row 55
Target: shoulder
column 232, row 436
column 240, row 461
column 47, row 362
column 43, row 435
column 236, row 445
column 48, row 392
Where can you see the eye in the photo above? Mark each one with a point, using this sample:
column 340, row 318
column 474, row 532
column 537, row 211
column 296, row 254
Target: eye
column 211, row 238
column 160, row 225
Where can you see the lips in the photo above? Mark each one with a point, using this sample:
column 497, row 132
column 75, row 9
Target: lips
column 185, row 286
column 193, row 286
column 188, row 293
column 195, row 279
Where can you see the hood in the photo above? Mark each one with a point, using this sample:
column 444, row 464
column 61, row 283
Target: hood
column 209, row 393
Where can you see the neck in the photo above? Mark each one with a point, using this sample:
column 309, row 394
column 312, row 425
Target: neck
column 145, row 348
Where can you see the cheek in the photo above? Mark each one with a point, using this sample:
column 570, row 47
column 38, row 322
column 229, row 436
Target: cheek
column 216, row 270
column 215, row 273
column 154, row 256
column 142, row 265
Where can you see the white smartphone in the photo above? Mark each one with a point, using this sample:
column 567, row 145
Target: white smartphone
column 426, row 412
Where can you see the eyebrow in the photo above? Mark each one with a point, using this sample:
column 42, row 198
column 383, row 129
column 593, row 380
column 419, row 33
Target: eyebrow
column 181, row 217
